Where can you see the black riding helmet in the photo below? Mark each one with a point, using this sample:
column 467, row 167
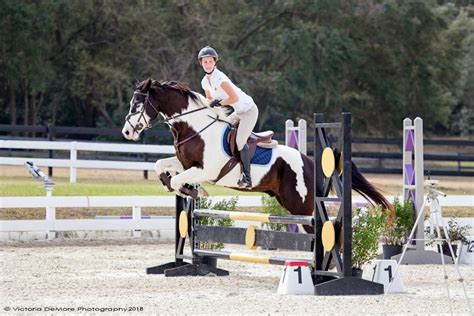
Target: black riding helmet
column 208, row 51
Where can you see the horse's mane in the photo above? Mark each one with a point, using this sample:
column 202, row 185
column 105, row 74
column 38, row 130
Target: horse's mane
column 179, row 86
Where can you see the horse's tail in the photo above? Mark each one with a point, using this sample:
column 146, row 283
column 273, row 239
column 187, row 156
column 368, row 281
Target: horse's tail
column 361, row 185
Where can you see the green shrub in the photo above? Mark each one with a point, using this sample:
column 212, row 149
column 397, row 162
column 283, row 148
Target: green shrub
column 224, row 205
column 272, row 206
column 366, row 229
column 396, row 233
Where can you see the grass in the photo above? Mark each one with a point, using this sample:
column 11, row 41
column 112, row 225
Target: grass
column 87, row 187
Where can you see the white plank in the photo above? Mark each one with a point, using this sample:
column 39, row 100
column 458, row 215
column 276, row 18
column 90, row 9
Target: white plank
column 26, row 144
column 86, row 201
column 165, row 223
column 86, row 146
column 89, row 164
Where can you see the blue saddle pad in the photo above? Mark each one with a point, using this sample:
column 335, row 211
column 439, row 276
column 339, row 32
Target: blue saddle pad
column 262, row 156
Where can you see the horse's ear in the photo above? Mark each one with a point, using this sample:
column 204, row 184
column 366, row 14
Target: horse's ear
column 135, row 83
column 146, row 85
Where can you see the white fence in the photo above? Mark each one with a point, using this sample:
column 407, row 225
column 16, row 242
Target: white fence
column 164, row 224
column 73, row 147
column 137, row 222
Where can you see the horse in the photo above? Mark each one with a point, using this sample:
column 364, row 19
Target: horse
column 199, row 140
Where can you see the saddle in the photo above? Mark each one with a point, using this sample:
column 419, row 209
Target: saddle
column 262, row 139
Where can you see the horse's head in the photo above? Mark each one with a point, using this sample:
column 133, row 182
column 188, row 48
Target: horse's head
column 144, row 109
column 170, row 99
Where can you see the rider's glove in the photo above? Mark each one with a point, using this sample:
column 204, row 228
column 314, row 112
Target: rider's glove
column 215, row 102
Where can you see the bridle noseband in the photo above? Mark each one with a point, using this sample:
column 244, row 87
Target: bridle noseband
column 142, row 112
column 166, row 120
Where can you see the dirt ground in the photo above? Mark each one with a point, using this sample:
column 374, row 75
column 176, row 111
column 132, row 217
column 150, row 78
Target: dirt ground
column 89, row 276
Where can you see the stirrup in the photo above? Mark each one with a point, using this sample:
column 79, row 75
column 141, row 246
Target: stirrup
column 245, row 182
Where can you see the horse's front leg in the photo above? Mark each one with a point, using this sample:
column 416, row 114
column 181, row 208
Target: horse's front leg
column 166, row 168
column 191, row 175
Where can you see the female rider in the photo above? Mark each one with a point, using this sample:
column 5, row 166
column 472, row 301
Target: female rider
column 223, row 92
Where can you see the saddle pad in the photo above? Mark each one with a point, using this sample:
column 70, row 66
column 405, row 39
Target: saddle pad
column 262, row 155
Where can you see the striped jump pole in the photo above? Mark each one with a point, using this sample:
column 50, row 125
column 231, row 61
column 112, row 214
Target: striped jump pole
column 203, row 261
column 255, row 217
column 245, row 257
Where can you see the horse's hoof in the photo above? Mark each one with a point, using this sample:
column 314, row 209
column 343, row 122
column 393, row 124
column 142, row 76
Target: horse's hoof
column 165, row 179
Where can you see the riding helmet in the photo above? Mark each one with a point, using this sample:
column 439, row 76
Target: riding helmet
column 208, row 51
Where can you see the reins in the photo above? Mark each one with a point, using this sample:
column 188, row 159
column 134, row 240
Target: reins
column 168, row 119
column 177, row 144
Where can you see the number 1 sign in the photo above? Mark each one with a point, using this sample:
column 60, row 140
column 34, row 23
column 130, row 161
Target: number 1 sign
column 383, row 272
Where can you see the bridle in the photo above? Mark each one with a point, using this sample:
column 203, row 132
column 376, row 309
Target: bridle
column 142, row 112
column 166, row 120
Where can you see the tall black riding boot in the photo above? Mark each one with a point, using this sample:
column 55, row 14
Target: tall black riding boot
column 246, row 181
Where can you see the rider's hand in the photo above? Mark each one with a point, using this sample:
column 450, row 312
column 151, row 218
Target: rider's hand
column 215, row 102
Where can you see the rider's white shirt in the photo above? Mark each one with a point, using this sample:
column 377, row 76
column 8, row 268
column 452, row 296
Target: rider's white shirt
column 213, row 85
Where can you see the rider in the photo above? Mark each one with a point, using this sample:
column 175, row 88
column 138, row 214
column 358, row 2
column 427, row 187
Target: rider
column 223, row 92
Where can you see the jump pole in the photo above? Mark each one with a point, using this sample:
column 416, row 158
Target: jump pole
column 204, row 261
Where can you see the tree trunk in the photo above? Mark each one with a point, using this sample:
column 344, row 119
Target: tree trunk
column 27, row 104
column 119, row 98
column 32, row 113
column 12, row 106
column 35, row 107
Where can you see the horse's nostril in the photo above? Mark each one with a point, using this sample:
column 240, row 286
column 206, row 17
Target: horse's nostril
column 127, row 132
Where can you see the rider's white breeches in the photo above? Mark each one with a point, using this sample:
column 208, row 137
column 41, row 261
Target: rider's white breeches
column 247, row 121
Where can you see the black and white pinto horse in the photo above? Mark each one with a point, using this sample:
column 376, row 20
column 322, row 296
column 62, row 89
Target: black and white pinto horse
column 199, row 140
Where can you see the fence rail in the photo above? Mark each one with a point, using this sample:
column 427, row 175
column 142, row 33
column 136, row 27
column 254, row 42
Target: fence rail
column 74, row 147
column 134, row 223
column 450, row 157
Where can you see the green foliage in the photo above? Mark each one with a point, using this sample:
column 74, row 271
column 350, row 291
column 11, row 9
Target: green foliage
column 396, row 233
column 224, row 205
column 271, row 206
column 365, row 235
column 72, row 62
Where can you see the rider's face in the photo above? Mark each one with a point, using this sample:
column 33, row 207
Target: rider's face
column 208, row 64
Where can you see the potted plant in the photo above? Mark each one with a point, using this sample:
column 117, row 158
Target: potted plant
column 396, row 230
column 457, row 234
column 366, row 228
